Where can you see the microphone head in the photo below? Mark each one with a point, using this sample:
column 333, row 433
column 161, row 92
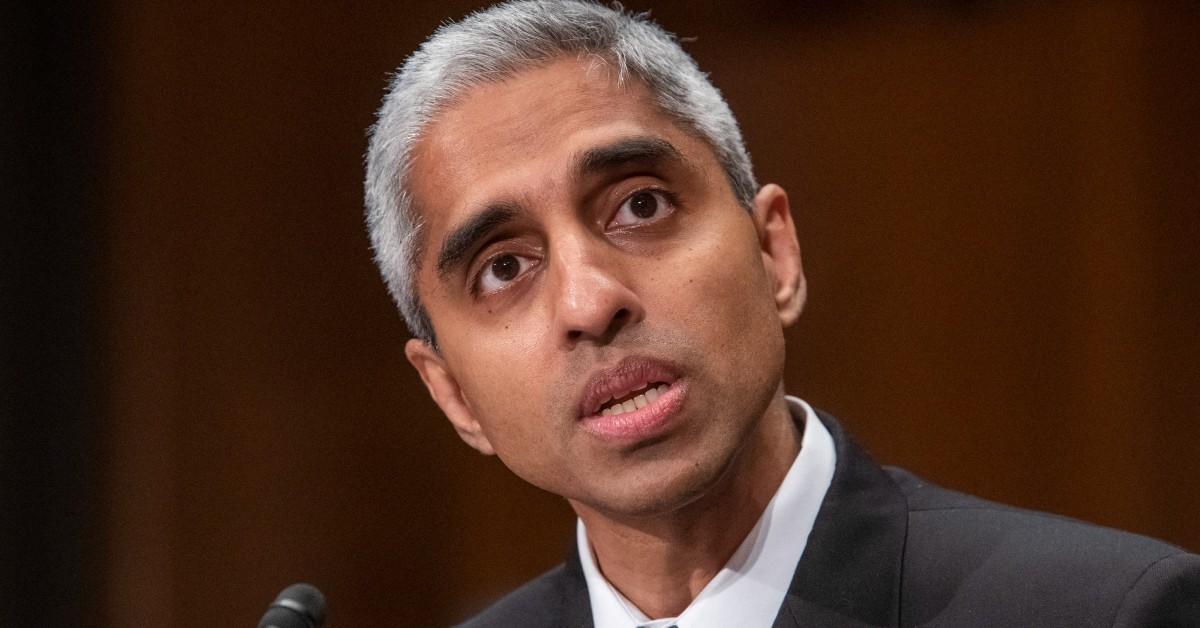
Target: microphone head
column 298, row 606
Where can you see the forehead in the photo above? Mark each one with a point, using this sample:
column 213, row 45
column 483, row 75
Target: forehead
column 527, row 110
column 517, row 137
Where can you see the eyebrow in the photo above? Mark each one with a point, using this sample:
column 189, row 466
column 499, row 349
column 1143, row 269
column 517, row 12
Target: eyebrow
column 459, row 242
column 622, row 152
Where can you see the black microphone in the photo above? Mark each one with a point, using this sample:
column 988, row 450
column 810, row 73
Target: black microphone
column 298, row 606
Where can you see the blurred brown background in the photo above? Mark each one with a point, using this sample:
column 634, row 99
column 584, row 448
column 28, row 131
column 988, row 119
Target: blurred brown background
column 208, row 398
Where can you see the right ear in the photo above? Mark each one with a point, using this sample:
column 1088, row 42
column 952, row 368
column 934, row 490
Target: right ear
column 443, row 387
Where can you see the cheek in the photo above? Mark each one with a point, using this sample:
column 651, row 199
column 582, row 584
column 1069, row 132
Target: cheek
column 504, row 392
column 719, row 289
column 500, row 392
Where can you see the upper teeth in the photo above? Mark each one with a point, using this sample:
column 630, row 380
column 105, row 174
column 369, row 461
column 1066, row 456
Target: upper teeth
column 640, row 401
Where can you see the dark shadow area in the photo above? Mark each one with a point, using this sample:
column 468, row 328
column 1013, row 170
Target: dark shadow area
column 49, row 136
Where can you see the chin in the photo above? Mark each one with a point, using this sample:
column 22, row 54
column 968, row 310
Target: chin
column 658, row 491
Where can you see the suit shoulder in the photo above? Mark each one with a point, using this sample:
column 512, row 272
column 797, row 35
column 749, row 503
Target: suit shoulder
column 930, row 505
column 533, row 604
column 1167, row 593
column 964, row 554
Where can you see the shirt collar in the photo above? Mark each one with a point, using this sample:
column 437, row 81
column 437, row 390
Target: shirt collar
column 750, row 588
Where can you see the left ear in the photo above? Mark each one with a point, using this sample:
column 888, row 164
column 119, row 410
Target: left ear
column 780, row 251
column 443, row 387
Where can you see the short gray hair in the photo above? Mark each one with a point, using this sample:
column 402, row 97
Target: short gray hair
column 495, row 44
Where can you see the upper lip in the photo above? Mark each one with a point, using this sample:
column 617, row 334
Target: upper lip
column 622, row 378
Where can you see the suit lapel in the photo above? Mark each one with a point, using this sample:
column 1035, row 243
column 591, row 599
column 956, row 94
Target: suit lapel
column 849, row 574
column 575, row 610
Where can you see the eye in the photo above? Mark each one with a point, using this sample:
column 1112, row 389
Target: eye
column 642, row 207
column 501, row 270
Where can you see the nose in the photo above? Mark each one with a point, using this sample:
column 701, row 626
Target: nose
column 593, row 299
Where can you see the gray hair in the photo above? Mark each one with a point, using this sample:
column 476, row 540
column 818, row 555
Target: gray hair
column 495, row 44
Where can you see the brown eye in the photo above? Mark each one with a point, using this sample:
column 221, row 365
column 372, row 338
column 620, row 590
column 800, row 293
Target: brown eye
column 505, row 267
column 643, row 205
column 500, row 271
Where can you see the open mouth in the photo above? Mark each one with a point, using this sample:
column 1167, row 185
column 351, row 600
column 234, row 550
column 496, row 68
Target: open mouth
column 634, row 382
column 633, row 400
column 640, row 412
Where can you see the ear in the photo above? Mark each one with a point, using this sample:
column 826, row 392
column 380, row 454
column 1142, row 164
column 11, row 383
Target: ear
column 447, row 394
column 780, row 251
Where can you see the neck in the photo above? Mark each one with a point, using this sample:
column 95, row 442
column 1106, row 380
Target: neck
column 661, row 562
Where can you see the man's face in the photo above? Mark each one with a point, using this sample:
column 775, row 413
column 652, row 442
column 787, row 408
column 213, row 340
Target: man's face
column 581, row 249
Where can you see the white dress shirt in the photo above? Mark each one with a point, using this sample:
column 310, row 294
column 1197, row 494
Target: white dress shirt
column 749, row 589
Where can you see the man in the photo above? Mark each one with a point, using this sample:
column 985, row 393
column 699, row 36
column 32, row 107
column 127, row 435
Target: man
column 563, row 209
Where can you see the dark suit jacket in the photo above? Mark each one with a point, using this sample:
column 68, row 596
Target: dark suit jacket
column 890, row 549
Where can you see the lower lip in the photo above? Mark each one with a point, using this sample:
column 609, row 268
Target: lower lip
column 647, row 422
